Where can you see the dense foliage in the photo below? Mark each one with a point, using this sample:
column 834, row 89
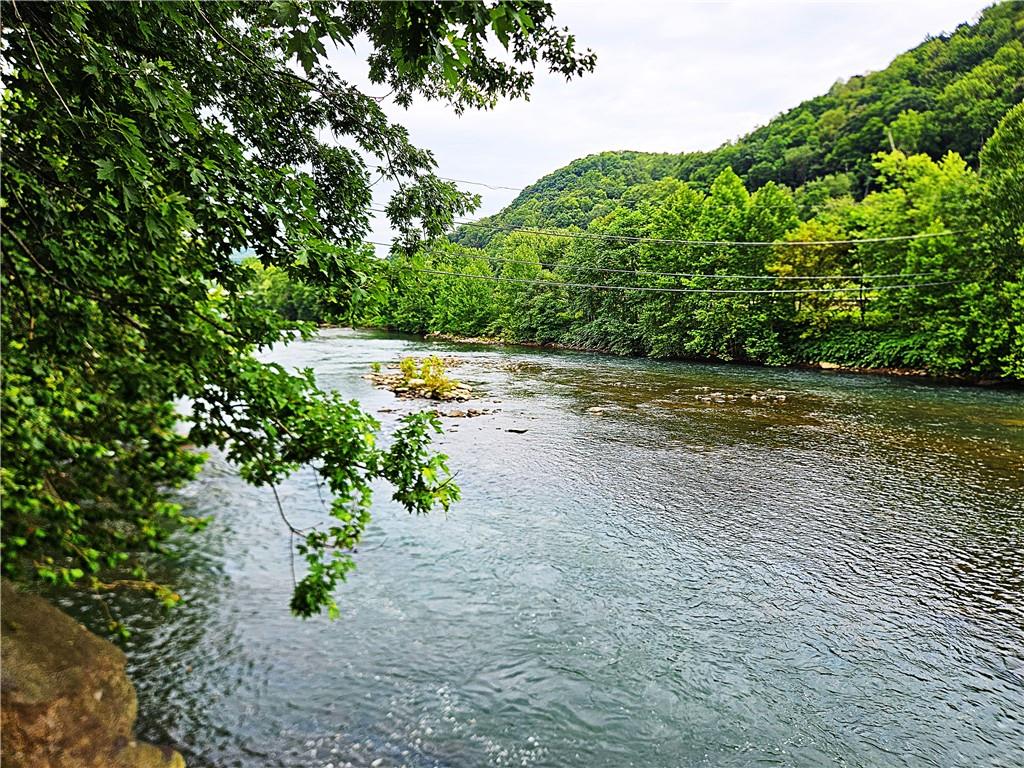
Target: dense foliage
column 947, row 300
column 145, row 146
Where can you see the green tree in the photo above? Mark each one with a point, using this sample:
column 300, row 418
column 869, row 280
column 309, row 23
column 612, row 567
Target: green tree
column 290, row 299
column 467, row 305
column 666, row 325
column 1000, row 315
column 145, row 144
column 815, row 312
column 526, row 311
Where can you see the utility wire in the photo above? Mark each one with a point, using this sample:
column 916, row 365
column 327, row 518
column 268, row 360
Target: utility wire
column 481, row 184
column 645, row 273
column 656, row 289
column 674, row 241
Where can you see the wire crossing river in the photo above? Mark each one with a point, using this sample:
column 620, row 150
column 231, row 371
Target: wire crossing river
column 641, row 578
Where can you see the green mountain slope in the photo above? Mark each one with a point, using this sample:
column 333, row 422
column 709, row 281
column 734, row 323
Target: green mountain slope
column 947, row 94
column 581, row 191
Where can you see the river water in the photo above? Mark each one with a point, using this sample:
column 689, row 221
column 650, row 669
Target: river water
column 833, row 579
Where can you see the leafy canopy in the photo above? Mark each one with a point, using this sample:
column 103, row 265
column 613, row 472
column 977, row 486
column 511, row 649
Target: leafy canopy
column 146, row 144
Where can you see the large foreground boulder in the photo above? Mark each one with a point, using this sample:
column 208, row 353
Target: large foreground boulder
column 66, row 700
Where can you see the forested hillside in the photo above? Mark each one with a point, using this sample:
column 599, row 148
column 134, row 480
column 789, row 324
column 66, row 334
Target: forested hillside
column 945, row 95
column 575, row 195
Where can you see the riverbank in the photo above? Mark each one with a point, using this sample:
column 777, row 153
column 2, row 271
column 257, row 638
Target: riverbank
column 823, row 365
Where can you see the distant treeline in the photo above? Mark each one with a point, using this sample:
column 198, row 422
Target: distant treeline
column 945, row 303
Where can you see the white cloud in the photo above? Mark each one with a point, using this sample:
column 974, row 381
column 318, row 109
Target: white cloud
column 672, row 77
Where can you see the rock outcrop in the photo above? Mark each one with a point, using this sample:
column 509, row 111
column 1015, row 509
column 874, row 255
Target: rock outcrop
column 67, row 702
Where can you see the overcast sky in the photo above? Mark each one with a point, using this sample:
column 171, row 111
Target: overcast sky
column 671, row 77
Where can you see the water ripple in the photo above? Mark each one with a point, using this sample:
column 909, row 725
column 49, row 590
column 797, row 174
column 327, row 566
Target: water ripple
column 836, row 578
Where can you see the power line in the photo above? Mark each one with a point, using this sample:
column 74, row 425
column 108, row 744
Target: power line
column 481, row 184
column 656, row 289
column 675, row 241
column 646, row 273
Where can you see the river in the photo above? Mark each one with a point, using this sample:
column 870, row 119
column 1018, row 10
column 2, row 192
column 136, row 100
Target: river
column 833, row 579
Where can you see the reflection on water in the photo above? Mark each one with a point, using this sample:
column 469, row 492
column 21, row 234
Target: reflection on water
column 832, row 579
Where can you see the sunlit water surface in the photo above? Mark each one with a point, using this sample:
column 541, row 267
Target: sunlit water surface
column 836, row 579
